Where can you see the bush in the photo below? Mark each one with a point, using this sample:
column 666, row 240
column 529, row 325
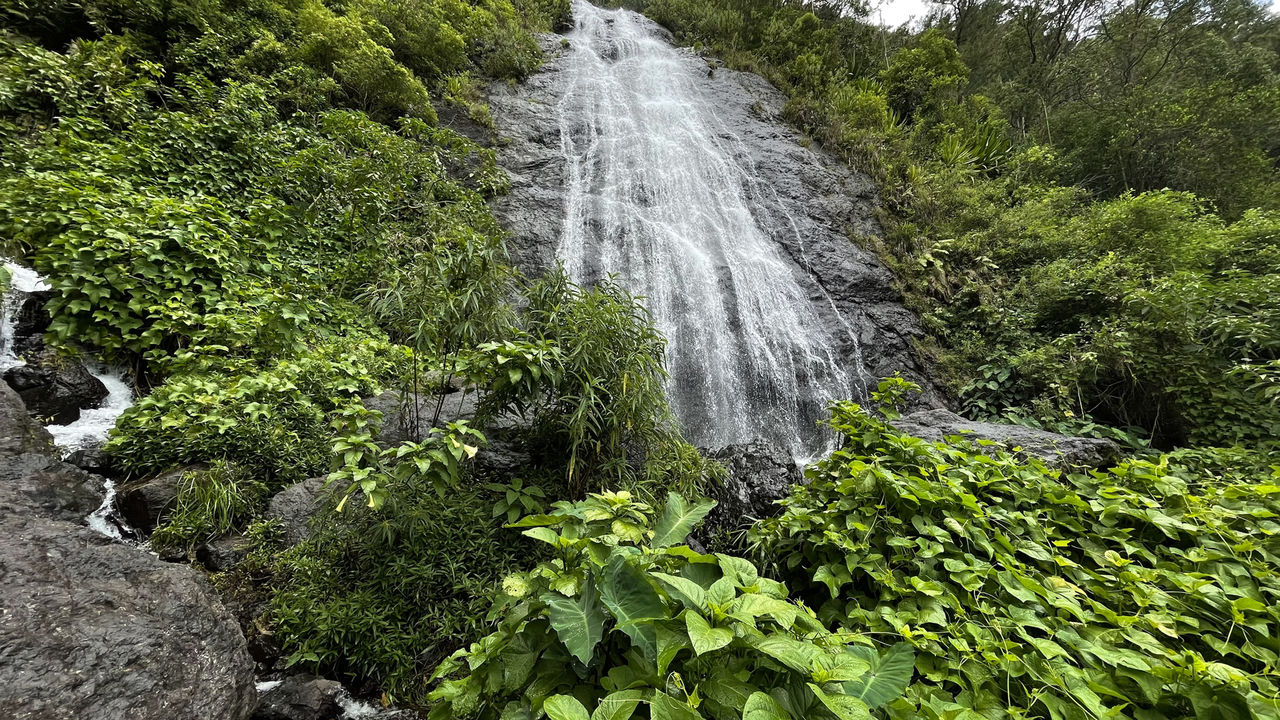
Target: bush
column 1147, row 590
column 384, row 595
column 273, row 422
column 627, row 619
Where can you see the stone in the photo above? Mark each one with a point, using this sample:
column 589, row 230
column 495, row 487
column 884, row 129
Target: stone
column 91, row 458
column 398, row 413
column 301, row 697
column 807, row 187
column 55, row 388
column 760, row 474
column 19, row 433
column 103, row 630
column 294, row 507
column 1060, row 452
column 143, row 502
column 224, row 553
column 31, row 322
column 92, row 628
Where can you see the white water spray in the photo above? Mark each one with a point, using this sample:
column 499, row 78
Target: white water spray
column 660, row 196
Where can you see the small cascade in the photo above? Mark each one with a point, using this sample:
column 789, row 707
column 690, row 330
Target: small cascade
column 94, row 424
column 22, row 283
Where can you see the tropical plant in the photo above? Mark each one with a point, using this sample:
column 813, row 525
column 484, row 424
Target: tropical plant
column 628, row 621
column 1146, row 591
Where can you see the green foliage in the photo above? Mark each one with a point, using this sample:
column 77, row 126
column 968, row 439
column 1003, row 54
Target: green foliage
column 627, row 621
column 608, row 394
column 383, row 595
column 272, row 422
column 210, row 503
column 365, row 467
column 517, row 498
column 1141, row 591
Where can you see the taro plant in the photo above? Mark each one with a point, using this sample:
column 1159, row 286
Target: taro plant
column 627, row 621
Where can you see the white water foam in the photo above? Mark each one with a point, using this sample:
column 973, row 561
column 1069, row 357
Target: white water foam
column 661, row 193
column 22, row 282
column 94, row 424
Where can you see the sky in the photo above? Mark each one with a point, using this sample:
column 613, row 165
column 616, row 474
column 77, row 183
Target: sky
column 897, row 12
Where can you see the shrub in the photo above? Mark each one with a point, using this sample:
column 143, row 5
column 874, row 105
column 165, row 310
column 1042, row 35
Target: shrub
column 1148, row 589
column 627, row 620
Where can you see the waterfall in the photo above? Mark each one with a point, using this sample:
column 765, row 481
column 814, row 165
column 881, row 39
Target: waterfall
column 22, row 282
column 661, row 194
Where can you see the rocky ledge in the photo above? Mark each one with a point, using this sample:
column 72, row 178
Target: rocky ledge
column 90, row 628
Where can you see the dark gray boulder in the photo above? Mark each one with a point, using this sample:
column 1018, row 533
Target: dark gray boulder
column 94, row 629
column 32, row 478
column 760, row 474
column 1057, row 451
column 142, row 503
column 31, row 322
column 294, row 507
column 19, row 433
column 301, row 697
column 55, row 388
column 99, row 630
column 407, row 416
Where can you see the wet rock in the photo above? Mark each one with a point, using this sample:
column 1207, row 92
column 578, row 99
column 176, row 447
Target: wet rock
column 102, row 630
column 32, row 483
column 91, row 458
column 32, row 478
column 294, row 506
column 56, row 388
column 91, row 628
column 30, row 323
column 760, row 474
column 301, row 697
column 19, row 433
column 810, row 203
column 223, row 553
column 408, row 416
column 143, row 502
column 1056, row 451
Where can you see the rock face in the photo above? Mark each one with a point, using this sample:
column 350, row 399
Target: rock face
column 143, row 502
column 760, row 474
column 301, row 697
column 809, row 202
column 56, row 388
column 93, row 629
column 294, row 506
column 1056, row 451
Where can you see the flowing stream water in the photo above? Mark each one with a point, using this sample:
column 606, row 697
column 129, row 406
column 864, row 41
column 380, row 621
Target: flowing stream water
column 660, row 194
column 91, row 429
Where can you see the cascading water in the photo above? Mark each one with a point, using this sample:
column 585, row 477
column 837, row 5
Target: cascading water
column 660, row 194
column 91, row 429
column 22, row 283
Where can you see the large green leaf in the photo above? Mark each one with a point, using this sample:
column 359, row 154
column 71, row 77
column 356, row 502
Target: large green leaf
column 689, row 592
column 844, row 707
column 799, row 656
column 705, row 638
column 579, row 623
column 762, row 707
column 565, row 707
column 671, row 640
column 618, row 706
column 678, row 520
column 888, row 677
column 633, row 602
column 665, row 707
